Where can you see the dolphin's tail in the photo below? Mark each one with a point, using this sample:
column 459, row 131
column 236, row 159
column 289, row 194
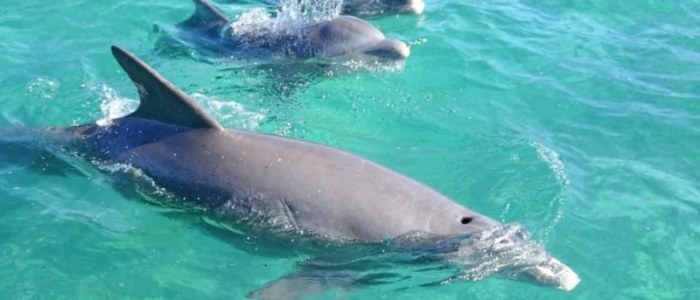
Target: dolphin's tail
column 206, row 18
column 35, row 150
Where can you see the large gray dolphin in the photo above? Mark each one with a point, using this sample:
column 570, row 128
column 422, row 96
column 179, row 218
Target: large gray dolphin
column 342, row 37
column 284, row 191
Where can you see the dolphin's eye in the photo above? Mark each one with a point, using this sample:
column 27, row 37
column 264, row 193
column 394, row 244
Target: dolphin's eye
column 467, row 220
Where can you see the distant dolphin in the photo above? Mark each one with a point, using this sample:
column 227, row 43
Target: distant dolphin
column 343, row 37
column 291, row 194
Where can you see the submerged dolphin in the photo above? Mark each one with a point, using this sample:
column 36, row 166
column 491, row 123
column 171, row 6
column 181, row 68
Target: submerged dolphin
column 342, row 37
column 281, row 190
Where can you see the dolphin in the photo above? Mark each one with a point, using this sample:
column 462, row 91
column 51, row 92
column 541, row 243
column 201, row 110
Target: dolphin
column 289, row 194
column 261, row 38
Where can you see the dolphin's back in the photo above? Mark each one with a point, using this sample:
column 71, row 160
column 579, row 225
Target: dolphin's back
column 282, row 182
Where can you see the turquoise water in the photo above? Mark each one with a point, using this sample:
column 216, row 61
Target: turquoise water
column 578, row 119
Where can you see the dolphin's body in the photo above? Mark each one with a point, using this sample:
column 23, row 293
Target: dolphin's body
column 274, row 188
column 342, row 37
column 289, row 183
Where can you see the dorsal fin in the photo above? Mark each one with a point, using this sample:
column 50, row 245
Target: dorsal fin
column 161, row 100
column 206, row 17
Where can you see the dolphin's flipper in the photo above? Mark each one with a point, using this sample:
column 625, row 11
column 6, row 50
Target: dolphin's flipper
column 161, row 100
column 206, row 18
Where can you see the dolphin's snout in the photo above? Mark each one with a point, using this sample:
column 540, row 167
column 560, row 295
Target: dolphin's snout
column 390, row 49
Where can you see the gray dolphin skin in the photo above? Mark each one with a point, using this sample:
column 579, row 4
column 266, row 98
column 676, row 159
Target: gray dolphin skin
column 342, row 37
column 272, row 187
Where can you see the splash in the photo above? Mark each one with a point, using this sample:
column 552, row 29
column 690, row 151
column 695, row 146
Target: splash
column 373, row 66
column 252, row 22
column 557, row 167
column 112, row 105
column 555, row 164
column 509, row 252
column 230, row 112
column 292, row 16
column 43, row 87
column 309, row 11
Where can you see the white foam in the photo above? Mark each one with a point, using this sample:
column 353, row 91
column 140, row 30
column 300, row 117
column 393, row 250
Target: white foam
column 251, row 22
column 508, row 251
column 310, row 11
column 291, row 16
column 112, row 105
column 230, row 113
column 43, row 87
column 551, row 158
column 555, row 164
column 417, row 7
column 341, row 66
column 557, row 274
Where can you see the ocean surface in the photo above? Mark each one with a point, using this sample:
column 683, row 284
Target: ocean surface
column 579, row 120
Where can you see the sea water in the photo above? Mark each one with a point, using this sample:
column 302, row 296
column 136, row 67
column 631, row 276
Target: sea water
column 579, row 120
